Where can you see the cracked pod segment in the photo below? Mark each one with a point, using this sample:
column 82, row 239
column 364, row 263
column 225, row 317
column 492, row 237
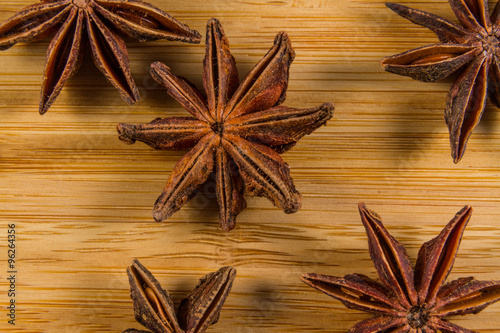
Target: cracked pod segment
column 98, row 23
column 470, row 49
column 237, row 130
column 407, row 299
column 154, row 309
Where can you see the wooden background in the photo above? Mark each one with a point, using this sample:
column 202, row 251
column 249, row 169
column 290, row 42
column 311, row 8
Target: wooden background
column 81, row 200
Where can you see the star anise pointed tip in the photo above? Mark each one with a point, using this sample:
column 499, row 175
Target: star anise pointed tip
column 468, row 208
column 282, row 37
column 311, row 279
column 214, row 30
column 392, row 6
column 466, row 211
column 320, row 282
column 161, row 212
column 398, row 8
column 361, row 205
column 228, row 225
column 368, row 216
column 159, row 70
column 283, row 34
column 293, row 204
column 383, row 63
column 229, row 275
column 457, row 156
column 5, row 46
column 158, row 215
column 229, row 272
column 213, row 22
column 126, row 133
column 457, row 149
column 365, row 211
column 134, row 97
column 307, row 278
column 328, row 107
column 214, row 27
column 135, row 266
column 131, row 94
column 45, row 105
column 195, row 37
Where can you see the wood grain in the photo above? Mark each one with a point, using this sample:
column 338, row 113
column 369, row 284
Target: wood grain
column 81, row 199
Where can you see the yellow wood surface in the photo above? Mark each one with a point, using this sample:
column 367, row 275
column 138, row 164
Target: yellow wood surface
column 81, row 199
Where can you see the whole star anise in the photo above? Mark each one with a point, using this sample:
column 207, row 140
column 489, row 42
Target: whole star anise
column 410, row 300
column 471, row 48
column 154, row 309
column 238, row 130
column 102, row 20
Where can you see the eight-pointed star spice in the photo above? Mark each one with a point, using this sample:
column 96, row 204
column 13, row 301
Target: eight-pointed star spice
column 154, row 309
column 470, row 49
column 103, row 21
column 237, row 131
column 410, row 300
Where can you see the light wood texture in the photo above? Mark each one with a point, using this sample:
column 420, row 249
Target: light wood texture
column 81, row 199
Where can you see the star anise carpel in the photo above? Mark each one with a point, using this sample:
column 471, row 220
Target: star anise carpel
column 408, row 300
column 98, row 23
column 154, row 308
column 237, row 130
column 470, row 49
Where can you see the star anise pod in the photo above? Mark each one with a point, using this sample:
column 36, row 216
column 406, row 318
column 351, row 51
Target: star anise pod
column 470, row 49
column 154, row 309
column 103, row 20
column 407, row 299
column 237, row 132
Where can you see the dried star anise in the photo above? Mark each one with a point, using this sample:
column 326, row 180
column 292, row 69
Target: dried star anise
column 103, row 20
column 410, row 300
column 154, row 309
column 237, row 132
column 471, row 48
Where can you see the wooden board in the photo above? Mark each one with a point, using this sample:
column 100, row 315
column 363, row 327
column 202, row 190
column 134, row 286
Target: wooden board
column 81, row 200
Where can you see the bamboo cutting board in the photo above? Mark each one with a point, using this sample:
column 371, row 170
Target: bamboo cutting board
column 81, row 200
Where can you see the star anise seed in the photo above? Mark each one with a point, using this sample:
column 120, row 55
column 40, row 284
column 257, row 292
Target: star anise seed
column 471, row 48
column 103, row 20
column 237, row 131
column 410, row 300
column 154, row 309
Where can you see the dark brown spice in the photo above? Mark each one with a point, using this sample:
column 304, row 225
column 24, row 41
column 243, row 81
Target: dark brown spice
column 154, row 309
column 471, row 49
column 103, row 20
column 238, row 130
column 410, row 300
